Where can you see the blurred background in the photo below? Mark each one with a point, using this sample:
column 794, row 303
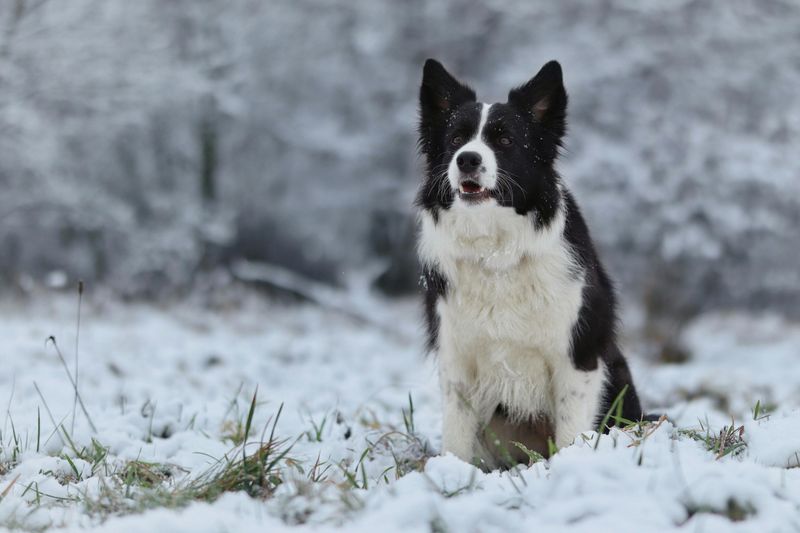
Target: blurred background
column 158, row 148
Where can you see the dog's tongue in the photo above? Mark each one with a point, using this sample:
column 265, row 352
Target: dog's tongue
column 470, row 187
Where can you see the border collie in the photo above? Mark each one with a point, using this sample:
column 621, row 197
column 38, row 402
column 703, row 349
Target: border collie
column 519, row 308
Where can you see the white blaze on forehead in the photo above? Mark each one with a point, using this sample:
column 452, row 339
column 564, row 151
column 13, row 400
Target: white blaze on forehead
column 488, row 169
column 484, row 117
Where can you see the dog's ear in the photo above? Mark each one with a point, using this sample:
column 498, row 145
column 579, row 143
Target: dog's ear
column 544, row 98
column 440, row 93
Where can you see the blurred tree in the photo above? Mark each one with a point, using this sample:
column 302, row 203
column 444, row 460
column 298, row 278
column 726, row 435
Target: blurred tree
column 122, row 122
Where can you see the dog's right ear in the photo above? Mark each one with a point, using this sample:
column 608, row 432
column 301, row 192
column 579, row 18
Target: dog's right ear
column 439, row 95
column 440, row 91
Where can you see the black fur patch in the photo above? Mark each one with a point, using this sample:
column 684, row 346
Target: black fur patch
column 618, row 377
column 594, row 332
column 435, row 286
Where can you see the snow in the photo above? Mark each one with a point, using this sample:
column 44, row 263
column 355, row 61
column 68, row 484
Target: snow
column 740, row 363
column 775, row 442
column 682, row 154
column 165, row 384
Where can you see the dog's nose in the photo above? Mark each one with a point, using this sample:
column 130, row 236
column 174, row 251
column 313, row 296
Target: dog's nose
column 468, row 161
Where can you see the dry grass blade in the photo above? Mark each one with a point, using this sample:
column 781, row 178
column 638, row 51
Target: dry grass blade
column 49, row 415
column 650, row 429
column 730, row 440
column 9, row 487
column 77, row 352
column 52, row 339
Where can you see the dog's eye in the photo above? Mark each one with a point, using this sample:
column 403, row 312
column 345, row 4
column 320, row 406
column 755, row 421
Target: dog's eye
column 505, row 141
column 457, row 140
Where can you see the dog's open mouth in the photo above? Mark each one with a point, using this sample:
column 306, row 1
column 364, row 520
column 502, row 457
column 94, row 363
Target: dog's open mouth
column 472, row 191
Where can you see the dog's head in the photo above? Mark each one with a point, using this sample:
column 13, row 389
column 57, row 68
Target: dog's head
column 501, row 153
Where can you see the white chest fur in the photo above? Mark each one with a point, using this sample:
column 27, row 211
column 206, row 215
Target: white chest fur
column 514, row 294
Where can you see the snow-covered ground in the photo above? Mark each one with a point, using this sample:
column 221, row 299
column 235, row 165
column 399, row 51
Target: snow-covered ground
column 169, row 389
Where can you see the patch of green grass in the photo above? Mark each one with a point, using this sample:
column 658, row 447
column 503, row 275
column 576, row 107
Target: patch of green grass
column 533, row 457
column 468, row 487
column 409, row 451
column 258, row 474
column 13, row 447
column 144, row 474
column 319, row 471
column 354, row 479
column 640, row 432
column 614, row 414
column 236, row 431
column 254, row 467
column 140, row 485
column 412, row 457
column 315, row 434
column 729, row 440
column 552, row 449
column 733, row 511
column 95, row 454
column 763, row 411
column 233, row 432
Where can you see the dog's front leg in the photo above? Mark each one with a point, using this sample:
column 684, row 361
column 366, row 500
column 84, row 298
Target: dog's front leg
column 460, row 420
column 576, row 400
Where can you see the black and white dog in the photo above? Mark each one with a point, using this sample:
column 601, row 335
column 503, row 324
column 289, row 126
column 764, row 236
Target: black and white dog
column 519, row 307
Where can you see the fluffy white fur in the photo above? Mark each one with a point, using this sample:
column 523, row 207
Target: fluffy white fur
column 514, row 294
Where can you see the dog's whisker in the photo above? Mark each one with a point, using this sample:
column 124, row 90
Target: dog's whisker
column 511, row 181
column 503, row 182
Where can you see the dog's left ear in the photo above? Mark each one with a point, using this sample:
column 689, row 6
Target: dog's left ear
column 544, row 98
